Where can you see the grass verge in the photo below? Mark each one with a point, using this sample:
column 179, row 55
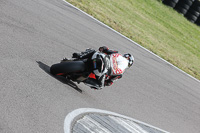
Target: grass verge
column 153, row 25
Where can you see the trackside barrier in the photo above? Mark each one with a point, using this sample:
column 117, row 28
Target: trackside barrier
column 189, row 8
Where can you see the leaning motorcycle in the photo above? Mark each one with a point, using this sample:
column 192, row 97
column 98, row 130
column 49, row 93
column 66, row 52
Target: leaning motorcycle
column 90, row 64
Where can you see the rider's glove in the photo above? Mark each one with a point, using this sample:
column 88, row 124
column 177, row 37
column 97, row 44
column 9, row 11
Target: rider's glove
column 103, row 49
column 76, row 55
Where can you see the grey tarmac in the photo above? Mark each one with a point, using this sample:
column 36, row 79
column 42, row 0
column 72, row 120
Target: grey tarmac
column 34, row 34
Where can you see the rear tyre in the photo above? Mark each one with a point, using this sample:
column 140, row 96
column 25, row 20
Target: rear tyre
column 67, row 67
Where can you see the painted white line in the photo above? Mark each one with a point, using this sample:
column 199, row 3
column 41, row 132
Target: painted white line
column 130, row 40
column 93, row 124
column 72, row 115
column 131, row 126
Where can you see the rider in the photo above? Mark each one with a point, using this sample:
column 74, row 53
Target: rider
column 118, row 65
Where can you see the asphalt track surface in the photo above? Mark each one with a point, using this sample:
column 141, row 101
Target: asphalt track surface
column 34, row 34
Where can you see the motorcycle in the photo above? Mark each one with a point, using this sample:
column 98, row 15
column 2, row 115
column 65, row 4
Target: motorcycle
column 89, row 64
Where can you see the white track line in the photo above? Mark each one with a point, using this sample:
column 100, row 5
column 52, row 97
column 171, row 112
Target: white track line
column 72, row 115
column 130, row 40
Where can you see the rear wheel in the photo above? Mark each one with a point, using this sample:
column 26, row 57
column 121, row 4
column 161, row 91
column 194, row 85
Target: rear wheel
column 67, row 67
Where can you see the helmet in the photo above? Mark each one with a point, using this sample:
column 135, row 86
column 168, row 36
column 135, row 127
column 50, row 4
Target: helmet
column 130, row 59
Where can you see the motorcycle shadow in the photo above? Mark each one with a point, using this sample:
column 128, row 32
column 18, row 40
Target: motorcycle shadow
column 46, row 68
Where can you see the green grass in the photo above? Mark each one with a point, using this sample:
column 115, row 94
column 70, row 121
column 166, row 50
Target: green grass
column 153, row 25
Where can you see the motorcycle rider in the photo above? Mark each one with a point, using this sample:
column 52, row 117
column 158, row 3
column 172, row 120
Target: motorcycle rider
column 118, row 65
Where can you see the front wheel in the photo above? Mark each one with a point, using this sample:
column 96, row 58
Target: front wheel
column 67, row 67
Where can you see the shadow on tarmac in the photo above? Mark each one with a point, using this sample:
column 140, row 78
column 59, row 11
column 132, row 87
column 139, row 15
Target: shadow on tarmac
column 46, row 68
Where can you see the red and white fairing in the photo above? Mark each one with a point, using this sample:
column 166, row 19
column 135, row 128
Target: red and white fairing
column 118, row 64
